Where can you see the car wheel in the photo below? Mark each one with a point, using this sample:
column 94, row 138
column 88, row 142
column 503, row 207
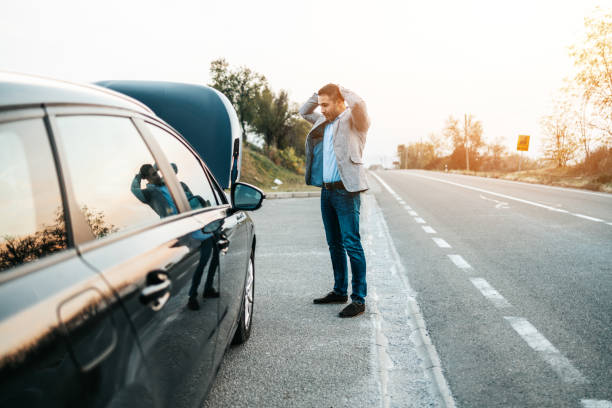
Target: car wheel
column 246, row 311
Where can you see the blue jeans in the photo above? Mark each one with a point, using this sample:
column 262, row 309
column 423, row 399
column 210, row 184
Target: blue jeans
column 340, row 212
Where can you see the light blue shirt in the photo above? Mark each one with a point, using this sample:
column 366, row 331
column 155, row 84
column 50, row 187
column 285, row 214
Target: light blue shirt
column 330, row 165
column 168, row 197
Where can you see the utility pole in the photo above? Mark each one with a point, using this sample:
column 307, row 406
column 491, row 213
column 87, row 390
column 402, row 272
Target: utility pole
column 465, row 143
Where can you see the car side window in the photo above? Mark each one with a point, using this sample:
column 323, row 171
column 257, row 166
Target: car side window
column 114, row 176
column 31, row 213
column 188, row 170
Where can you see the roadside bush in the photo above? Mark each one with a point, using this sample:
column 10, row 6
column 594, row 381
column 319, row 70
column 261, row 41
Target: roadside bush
column 286, row 158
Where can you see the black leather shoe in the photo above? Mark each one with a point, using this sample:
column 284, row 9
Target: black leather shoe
column 331, row 297
column 352, row 310
column 210, row 293
column 193, row 303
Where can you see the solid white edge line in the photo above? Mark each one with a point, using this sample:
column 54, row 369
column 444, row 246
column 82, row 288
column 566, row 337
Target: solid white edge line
column 590, row 403
column 520, row 200
column 490, row 293
column 441, row 243
column 557, row 361
column 428, row 229
column 534, row 185
column 586, row 217
column 459, row 261
column 419, row 220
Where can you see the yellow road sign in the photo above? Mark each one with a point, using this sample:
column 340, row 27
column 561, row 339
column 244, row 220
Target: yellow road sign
column 523, row 143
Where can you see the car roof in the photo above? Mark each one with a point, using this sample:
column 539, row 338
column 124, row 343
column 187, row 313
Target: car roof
column 20, row 90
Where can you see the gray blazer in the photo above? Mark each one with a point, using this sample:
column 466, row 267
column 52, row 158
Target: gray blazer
column 349, row 140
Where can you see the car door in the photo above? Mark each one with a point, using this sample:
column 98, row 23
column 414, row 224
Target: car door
column 64, row 339
column 145, row 249
column 232, row 233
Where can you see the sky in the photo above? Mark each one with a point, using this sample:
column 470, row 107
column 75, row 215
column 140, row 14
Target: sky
column 413, row 62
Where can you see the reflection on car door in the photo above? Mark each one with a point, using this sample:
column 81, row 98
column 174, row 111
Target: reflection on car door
column 233, row 255
column 146, row 252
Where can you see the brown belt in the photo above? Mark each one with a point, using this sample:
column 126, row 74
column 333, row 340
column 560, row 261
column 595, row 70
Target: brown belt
column 333, row 186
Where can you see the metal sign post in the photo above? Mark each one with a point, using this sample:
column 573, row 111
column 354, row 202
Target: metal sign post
column 522, row 146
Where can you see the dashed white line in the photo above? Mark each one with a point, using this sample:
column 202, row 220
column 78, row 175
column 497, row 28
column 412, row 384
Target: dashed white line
column 441, row 243
column 460, row 262
column 407, row 208
column 419, row 220
column 413, row 213
column 520, row 200
column 589, row 403
column 490, row 293
column 561, row 365
column 428, row 229
column 402, row 202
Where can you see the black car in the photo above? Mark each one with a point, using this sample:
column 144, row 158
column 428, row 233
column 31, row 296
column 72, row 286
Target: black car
column 125, row 271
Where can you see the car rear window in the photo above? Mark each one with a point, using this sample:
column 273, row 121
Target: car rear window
column 188, row 170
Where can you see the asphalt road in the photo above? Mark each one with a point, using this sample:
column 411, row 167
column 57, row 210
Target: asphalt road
column 304, row 355
column 515, row 284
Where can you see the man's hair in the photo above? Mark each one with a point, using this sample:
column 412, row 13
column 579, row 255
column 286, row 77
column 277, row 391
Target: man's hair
column 332, row 91
column 144, row 170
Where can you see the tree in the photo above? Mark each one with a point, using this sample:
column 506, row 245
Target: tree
column 441, row 145
column 560, row 146
column 593, row 59
column 467, row 139
column 241, row 86
column 296, row 137
column 272, row 119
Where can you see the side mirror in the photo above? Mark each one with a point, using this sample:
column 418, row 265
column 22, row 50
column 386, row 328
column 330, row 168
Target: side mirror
column 246, row 197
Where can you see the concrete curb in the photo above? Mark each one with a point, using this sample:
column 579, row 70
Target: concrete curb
column 293, row 194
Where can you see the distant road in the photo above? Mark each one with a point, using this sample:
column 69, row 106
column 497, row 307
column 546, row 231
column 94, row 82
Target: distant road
column 514, row 281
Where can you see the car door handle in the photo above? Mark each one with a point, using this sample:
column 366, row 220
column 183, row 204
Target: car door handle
column 157, row 291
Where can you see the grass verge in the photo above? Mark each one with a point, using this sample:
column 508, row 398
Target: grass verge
column 259, row 170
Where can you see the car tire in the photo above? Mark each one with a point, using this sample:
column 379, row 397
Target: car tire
column 245, row 321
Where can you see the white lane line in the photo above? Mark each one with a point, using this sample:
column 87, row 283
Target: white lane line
column 586, row 217
column 419, row 220
column 609, row 223
column 428, row 229
column 561, row 365
column 413, row 213
column 589, row 403
column 498, row 204
column 460, row 262
column 541, row 186
column 520, row 200
column 441, row 243
column 407, row 208
column 402, row 202
column 490, row 293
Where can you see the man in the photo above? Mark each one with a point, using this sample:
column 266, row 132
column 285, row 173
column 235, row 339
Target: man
column 334, row 162
column 156, row 193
